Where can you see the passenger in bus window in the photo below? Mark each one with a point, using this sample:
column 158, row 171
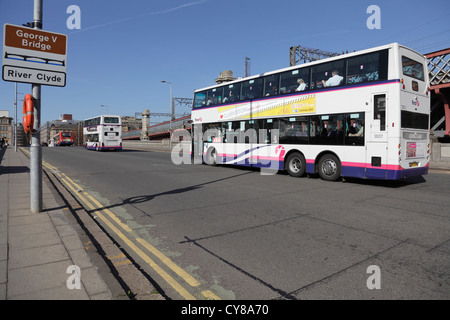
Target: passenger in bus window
column 272, row 90
column 353, row 130
column 301, row 85
column 274, row 139
column 250, row 93
column 230, row 98
column 335, row 79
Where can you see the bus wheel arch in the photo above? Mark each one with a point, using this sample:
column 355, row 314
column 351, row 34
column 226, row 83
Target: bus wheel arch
column 295, row 163
column 211, row 156
column 328, row 166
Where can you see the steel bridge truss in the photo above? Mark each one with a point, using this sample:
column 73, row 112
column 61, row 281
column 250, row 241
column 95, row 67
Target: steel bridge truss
column 178, row 103
column 298, row 54
column 439, row 74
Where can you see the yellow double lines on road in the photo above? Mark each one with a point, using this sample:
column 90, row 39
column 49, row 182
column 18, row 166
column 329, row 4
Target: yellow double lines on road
column 123, row 231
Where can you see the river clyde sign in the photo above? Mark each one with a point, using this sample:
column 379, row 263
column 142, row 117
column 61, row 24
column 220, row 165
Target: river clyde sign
column 34, row 56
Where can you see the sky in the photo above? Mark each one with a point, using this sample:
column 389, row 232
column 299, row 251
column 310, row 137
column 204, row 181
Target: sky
column 124, row 49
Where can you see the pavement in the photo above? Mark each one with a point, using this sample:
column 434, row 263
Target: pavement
column 45, row 256
column 49, row 255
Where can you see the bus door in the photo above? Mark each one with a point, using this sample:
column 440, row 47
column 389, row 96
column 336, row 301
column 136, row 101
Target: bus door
column 197, row 143
column 377, row 139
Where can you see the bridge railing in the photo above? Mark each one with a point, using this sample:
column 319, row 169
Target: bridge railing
column 159, row 129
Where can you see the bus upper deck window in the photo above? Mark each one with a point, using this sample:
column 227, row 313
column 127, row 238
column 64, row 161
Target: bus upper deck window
column 199, row 99
column 412, row 68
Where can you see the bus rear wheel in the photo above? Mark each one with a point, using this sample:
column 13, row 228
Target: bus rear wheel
column 296, row 164
column 329, row 167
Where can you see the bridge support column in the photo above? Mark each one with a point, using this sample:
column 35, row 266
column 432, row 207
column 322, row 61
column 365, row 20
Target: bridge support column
column 446, row 110
column 145, row 124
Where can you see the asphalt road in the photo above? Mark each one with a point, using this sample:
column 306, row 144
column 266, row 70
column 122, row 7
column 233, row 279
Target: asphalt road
column 243, row 235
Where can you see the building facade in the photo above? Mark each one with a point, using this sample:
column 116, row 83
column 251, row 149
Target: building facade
column 50, row 128
column 6, row 132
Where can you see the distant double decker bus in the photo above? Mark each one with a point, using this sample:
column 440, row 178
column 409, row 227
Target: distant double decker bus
column 364, row 114
column 103, row 133
column 63, row 139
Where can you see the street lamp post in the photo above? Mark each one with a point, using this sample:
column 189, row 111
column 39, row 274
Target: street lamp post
column 104, row 106
column 171, row 114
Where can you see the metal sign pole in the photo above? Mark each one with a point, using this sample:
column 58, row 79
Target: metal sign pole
column 36, row 149
column 15, row 117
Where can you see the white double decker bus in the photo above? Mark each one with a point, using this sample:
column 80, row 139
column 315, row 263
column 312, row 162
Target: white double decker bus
column 364, row 114
column 103, row 133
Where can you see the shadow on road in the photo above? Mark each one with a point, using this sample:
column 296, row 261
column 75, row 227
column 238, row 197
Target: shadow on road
column 388, row 183
column 145, row 198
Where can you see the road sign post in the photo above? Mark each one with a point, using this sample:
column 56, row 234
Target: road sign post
column 31, row 55
column 36, row 202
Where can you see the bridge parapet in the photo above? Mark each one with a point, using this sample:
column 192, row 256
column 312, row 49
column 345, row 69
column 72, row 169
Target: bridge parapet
column 159, row 131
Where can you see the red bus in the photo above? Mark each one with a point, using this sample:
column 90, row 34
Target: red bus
column 63, row 139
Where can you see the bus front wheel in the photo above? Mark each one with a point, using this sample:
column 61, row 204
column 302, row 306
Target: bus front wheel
column 329, row 167
column 211, row 157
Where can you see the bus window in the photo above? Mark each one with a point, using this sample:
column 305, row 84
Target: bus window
column 92, row 137
column 247, row 134
column 212, row 132
column 256, row 126
column 267, row 130
column 235, row 131
column 355, row 129
column 369, row 67
column 227, row 132
column 271, row 85
column 327, row 75
column 214, row 96
column 294, row 130
column 111, row 120
column 379, row 110
column 328, row 129
column 412, row 68
column 200, row 99
column 231, row 93
column 294, row 80
column 251, row 89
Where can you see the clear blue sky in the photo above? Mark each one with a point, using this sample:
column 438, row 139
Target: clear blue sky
column 125, row 48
